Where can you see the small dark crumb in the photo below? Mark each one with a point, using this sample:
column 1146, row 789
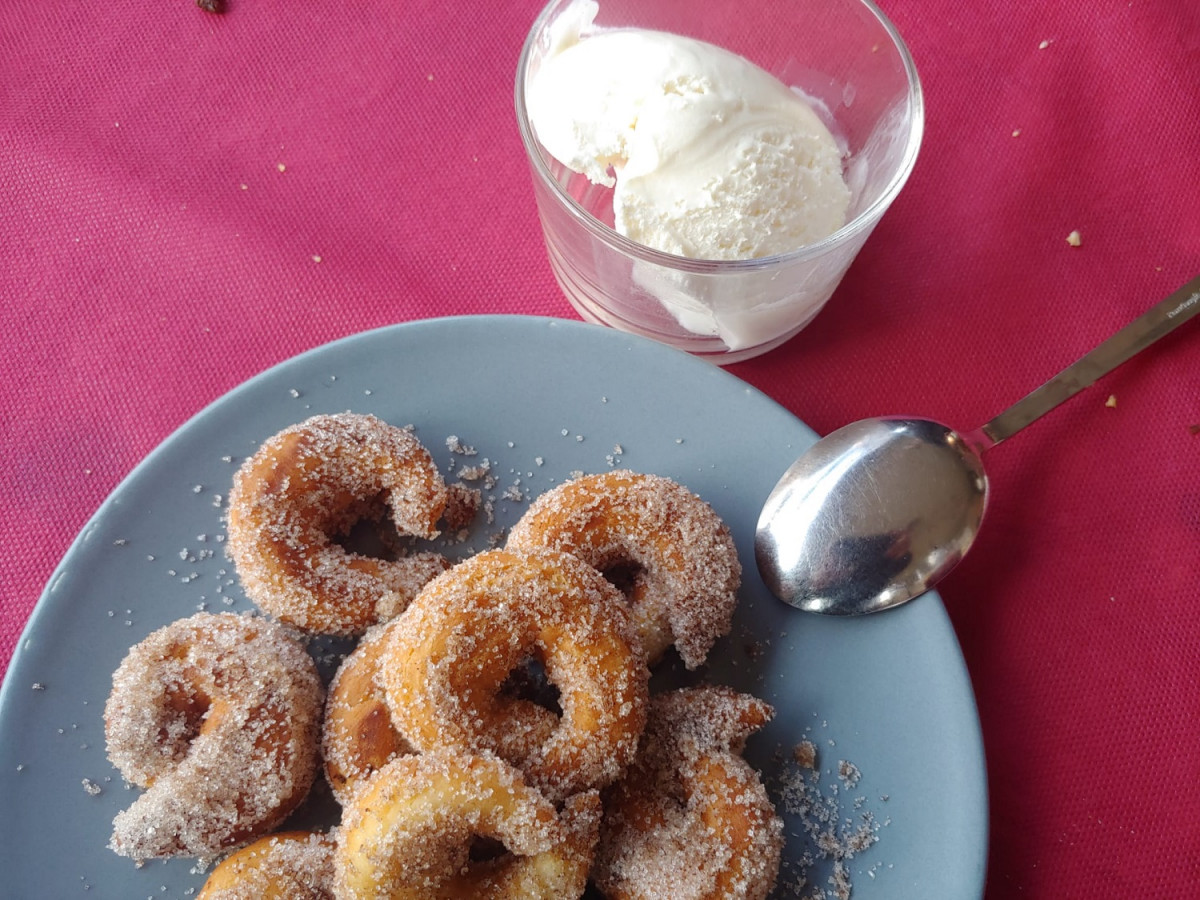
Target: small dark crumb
column 805, row 754
column 1194, row 429
column 212, row 6
column 464, row 503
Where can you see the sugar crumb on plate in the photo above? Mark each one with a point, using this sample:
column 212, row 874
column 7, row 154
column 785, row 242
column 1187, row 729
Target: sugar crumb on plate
column 835, row 821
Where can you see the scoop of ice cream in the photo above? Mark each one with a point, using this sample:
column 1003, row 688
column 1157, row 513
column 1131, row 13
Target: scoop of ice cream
column 710, row 157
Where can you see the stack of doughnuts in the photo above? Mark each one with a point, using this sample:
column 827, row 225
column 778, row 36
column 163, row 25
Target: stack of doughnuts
column 491, row 734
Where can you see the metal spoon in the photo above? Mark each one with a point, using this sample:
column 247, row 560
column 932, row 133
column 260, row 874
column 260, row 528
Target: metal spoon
column 880, row 510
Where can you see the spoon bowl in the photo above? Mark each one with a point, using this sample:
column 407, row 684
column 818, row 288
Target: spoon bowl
column 869, row 517
column 877, row 512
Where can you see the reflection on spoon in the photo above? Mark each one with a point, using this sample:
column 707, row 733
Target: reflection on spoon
column 877, row 512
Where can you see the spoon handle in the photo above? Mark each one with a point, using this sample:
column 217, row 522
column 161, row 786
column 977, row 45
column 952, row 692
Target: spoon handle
column 1157, row 322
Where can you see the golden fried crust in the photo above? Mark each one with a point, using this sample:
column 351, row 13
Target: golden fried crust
column 310, row 484
column 358, row 737
column 454, row 648
column 290, row 865
column 671, row 552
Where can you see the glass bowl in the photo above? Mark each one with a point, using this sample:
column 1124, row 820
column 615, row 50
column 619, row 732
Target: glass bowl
column 847, row 60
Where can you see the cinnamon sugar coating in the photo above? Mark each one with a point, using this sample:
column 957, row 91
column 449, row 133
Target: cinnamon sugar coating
column 218, row 718
column 692, row 819
column 485, row 706
column 310, row 484
column 409, row 834
column 290, row 865
column 675, row 555
column 453, row 650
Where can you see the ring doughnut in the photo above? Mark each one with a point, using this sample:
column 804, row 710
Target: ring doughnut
column 408, row 834
column 692, row 820
column 670, row 551
column 453, row 649
column 358, row 737
column 218, row 717
column 309, row 484
column 290, row 865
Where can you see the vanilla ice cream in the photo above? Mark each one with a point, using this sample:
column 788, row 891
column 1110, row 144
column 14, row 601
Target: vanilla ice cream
column 709, row 156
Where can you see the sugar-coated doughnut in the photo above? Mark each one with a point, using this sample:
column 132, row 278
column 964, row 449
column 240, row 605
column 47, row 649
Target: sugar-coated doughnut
column 669, row 549
column 290, row 865
column 452, row 651
column 218, row 717
column 692, row 819
column 409, row 833
column 358, row 737
column 311, row 483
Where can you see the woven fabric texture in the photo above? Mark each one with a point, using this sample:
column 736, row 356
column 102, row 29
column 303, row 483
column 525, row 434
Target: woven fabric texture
column 187, row 199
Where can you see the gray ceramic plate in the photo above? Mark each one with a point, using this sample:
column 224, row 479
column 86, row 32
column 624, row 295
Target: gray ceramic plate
column 885, row 701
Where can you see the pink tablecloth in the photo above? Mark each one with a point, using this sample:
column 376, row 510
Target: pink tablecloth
column 186, row 199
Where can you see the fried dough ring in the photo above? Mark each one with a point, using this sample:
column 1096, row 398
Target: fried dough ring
column 408, row 834
column 312, row 482
column 290, row 865
column 692, row 819
column 358, row 737
column 218, row 717
column 452, row 651
column 683, row 562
